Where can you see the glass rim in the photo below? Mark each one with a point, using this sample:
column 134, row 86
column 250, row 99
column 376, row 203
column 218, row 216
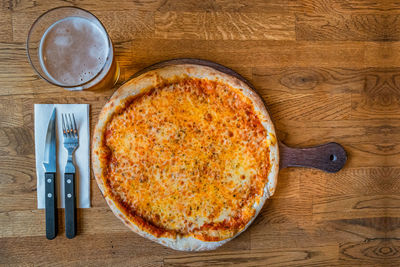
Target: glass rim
column 57, row 84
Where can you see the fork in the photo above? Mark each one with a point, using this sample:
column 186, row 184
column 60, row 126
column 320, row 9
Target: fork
column 71, row 142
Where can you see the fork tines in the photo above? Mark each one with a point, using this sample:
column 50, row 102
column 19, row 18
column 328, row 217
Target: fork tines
column 69, row 125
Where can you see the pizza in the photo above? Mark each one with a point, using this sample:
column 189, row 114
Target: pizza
column 186, row 156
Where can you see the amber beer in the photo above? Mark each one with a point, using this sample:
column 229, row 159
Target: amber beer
column 76, row 53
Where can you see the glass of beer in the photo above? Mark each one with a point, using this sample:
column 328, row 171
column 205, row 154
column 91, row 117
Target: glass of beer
column 69, row 47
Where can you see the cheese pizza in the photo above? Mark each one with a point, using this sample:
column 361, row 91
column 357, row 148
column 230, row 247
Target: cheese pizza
column 186, row 156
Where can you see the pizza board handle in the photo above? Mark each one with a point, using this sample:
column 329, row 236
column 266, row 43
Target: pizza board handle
column 329, row 157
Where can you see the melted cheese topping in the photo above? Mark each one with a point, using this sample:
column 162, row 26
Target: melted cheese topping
column 190, row 158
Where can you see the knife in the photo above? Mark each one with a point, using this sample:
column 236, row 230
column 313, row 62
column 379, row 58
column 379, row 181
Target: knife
column 49, row 164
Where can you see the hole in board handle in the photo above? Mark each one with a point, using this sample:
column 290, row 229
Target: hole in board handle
column 332, row 157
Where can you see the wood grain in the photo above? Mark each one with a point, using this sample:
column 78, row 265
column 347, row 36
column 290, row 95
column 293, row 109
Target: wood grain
column 275, row 257
column 348, row 207
column 350, row 6
column 6, row 34
column 328, row 71
column 224, row 26
column 355, row 27
column 371, row 251
column 273, row 6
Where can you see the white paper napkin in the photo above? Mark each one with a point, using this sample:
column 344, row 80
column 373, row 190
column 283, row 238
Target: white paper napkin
column 42, row 116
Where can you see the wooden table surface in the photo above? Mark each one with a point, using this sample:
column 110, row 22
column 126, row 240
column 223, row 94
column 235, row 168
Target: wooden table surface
column 329, row 70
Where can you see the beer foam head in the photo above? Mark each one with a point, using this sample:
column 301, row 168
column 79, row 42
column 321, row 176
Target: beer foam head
column 73, row 51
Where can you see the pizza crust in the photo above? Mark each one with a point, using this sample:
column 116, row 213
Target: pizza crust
column 142, row 84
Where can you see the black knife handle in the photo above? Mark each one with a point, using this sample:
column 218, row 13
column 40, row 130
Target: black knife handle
column 70, row 205
column 50, row 205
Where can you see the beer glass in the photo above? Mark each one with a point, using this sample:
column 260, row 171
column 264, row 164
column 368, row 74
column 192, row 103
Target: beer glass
column 69, row 47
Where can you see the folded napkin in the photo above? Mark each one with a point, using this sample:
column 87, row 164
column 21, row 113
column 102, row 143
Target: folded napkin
column 81, row 156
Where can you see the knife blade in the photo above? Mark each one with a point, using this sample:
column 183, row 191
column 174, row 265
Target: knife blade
column 49, row 165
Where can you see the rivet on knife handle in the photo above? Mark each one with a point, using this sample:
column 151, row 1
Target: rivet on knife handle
column 50, row 206
column 70, row 205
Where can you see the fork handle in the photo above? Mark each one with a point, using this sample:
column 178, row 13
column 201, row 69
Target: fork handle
column 50, row 205
column 70, row 205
